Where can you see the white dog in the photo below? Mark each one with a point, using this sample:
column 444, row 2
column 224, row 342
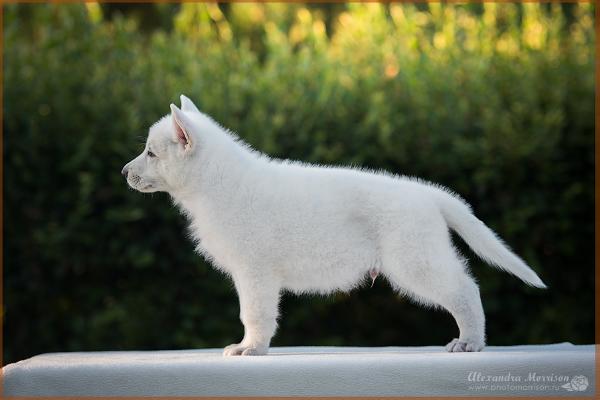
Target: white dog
column 276, row 225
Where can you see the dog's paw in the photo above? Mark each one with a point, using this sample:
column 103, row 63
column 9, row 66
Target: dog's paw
column 239, row 349
column 457, row 346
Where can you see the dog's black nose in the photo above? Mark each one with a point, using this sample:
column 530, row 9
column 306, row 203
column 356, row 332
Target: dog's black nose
column 124, row 171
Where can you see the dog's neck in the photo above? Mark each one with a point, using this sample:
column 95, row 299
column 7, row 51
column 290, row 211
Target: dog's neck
column 217, row 174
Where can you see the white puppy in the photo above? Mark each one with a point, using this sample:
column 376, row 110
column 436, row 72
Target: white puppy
column 276, row 225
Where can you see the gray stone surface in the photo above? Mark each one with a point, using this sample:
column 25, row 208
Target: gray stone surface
column 309, row 371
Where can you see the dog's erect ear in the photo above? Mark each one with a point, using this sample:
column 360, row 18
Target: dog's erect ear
column 187, row 104
column 181, row 126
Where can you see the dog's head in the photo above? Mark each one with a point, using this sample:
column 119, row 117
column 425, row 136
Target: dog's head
column 169, row 152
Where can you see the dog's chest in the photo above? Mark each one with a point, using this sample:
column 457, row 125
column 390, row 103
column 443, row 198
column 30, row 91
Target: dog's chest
column 221, row 241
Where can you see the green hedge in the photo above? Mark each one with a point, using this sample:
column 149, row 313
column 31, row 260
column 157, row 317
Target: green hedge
column 493, row 101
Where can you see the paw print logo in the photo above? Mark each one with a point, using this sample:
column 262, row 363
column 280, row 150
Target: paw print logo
column 578, row 384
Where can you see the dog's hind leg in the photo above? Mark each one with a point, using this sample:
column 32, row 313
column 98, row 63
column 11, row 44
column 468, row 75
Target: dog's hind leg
column 440, row 279
column 465, row 306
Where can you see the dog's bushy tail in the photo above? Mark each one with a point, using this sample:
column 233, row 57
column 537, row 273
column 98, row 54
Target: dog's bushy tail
column 484, row 242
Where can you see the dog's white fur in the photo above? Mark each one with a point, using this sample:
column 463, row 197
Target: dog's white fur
column 276, row 225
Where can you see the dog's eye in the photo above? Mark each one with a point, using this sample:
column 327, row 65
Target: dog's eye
column 151, row 154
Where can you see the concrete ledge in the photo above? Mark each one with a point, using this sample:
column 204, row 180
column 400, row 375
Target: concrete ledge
column 309, row 371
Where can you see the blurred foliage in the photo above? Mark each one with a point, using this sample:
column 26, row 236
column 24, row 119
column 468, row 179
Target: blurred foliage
column 495, row 101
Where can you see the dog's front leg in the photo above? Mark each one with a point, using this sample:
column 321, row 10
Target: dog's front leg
column 259, row 299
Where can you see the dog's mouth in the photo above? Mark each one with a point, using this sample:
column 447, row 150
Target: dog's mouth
column 146, row 188
column 135, row 182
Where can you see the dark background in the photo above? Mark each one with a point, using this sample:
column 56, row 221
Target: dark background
column 494, row 101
